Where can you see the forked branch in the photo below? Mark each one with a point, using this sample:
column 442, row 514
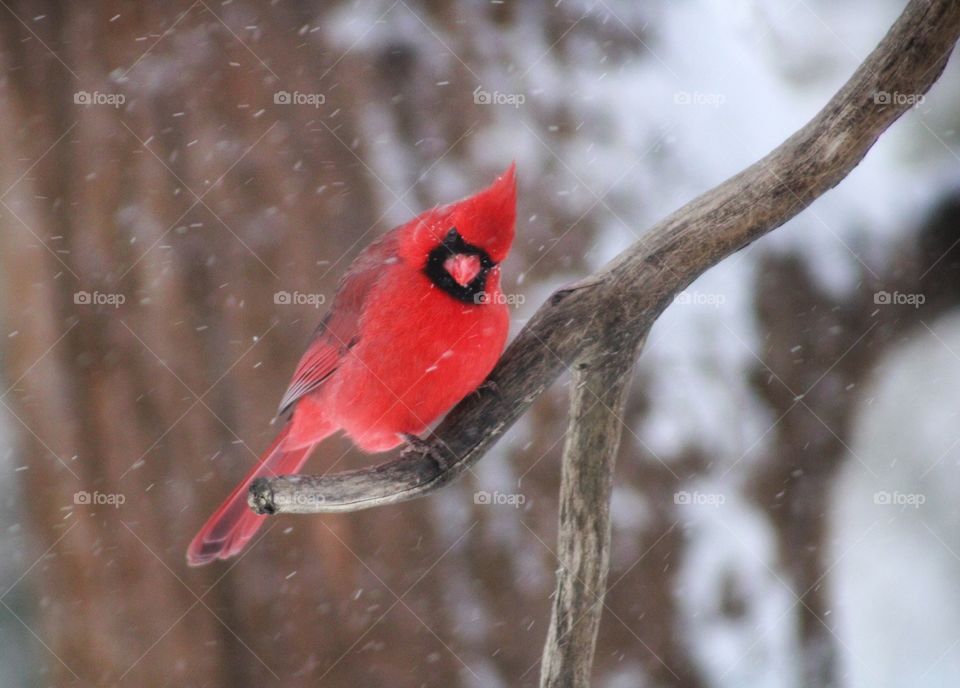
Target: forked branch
column 614, row 309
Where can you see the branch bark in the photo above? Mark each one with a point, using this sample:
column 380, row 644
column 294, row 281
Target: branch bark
column 597, row 398
column 625, row 297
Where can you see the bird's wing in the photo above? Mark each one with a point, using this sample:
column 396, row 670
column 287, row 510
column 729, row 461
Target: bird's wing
column 340, row 329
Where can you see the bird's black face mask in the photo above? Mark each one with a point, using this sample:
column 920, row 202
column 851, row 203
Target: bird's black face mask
column 454, row 245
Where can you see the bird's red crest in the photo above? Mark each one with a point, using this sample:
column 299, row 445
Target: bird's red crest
column 485, row 220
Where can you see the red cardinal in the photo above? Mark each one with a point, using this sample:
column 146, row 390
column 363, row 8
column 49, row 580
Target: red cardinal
column 417, row 323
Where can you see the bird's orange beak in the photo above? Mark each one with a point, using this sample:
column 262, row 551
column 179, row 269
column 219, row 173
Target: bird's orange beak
column 463, row 268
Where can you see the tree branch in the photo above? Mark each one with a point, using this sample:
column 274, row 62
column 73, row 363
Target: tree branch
column 625, row 297
column 597, row 398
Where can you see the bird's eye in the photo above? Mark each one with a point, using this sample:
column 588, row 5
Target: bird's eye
column 452, row 235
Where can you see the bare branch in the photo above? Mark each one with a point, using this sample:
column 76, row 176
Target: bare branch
column 597, row 398
column 616, row 307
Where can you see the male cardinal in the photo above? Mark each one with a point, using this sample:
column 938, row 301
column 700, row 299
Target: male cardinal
column 417, row 323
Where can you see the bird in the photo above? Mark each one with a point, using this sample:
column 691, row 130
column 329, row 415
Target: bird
column 416, row 324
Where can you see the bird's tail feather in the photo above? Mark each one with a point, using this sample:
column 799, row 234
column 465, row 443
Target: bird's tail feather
column 232, row 525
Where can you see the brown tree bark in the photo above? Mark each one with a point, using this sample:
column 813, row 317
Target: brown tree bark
column 195, row 211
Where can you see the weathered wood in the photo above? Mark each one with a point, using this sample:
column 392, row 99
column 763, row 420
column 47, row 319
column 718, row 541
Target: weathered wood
column 597, row 398
column 645, row 277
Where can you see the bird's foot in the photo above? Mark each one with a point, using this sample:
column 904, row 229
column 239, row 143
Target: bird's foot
column 490, row 385
column 415, row 443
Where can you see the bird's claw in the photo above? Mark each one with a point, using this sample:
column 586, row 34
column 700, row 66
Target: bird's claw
column 490, row 385
column 415, row 443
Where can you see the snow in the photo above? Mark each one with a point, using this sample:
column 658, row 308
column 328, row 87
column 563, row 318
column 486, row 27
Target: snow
column 733, row 552
column 898, row 563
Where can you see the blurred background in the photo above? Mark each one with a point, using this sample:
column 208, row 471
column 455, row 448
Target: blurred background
column 182, row 185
